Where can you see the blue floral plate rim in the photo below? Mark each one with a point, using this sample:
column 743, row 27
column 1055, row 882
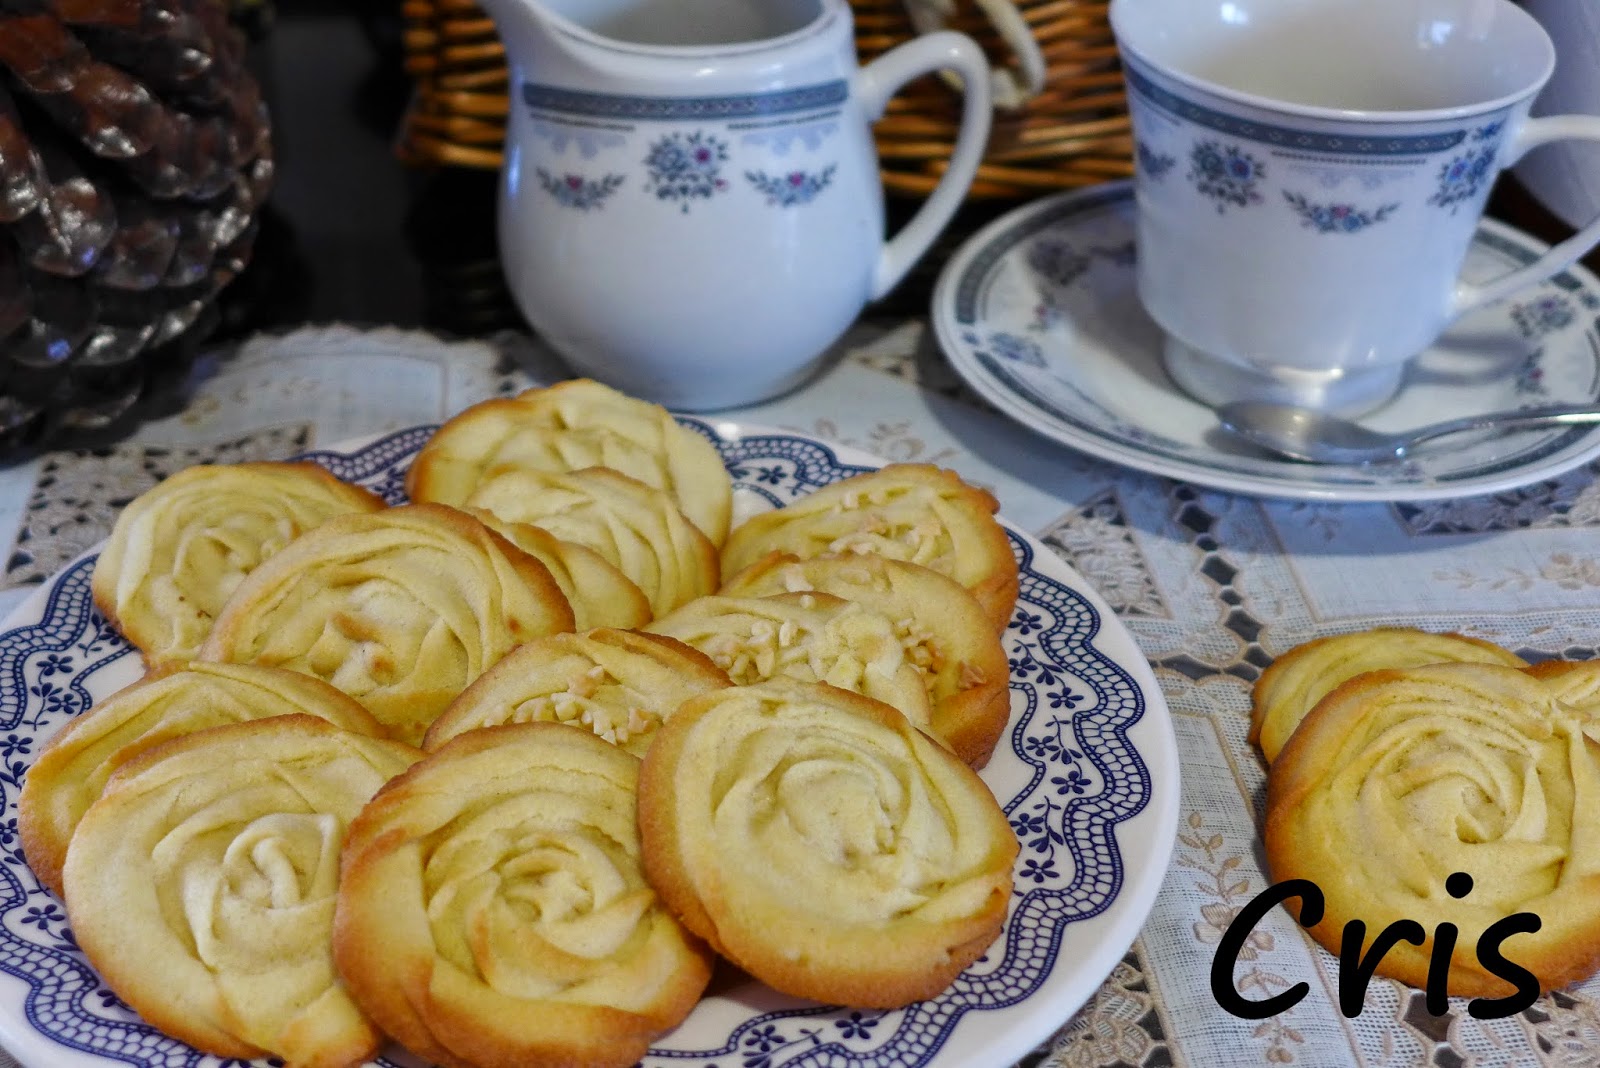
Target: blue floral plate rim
column 1034, row 379
column 1087, row 772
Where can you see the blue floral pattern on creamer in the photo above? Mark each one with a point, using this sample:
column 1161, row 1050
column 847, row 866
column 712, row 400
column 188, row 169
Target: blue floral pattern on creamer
column 795, row 187
column 1225, row 174
column 1073, row 707
column 576, row 191
column 685, row 167
column 1336, row 218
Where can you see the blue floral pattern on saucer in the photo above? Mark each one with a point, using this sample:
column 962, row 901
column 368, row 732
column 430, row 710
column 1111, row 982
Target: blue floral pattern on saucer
column 1066, row 773
column 1102, row 388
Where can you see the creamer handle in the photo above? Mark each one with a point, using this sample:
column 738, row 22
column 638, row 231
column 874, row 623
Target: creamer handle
column 881, row 79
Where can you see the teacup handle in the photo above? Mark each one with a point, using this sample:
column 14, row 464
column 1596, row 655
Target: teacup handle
column 881, row 79
column 1537, row 132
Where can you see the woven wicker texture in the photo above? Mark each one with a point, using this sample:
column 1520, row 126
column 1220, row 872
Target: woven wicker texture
column 1074, row 132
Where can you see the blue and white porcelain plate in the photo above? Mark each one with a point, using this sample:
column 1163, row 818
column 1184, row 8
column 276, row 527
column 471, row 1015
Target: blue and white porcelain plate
column 1087, row 771
column 1039, row 312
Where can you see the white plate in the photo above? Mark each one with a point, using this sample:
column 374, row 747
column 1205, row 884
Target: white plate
column 1039, row 313
column 1087, row 770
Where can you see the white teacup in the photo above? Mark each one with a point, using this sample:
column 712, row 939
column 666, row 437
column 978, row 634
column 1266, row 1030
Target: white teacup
column 1310, row 174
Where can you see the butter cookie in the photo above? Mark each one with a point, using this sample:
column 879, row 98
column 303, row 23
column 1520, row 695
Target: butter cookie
column 178, row 550
column 1398, row 779
column 573, row 425
column 618, row 684
column 820, row 842
column 637, row 529
column 493, row 911
column 807, row 637
column 72, row 769
column 201, row 886
column 947, row 636
column 600, row 595
column 1298, row 679
column 401, row 610
column 914, row 512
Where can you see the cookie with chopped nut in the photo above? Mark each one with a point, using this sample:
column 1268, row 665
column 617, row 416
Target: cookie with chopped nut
column 914, row 512
column 807, row 637
column 619, row 684
column 944, row 630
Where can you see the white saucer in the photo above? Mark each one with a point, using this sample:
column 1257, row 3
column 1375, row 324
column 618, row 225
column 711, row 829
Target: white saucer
column 1039, row 313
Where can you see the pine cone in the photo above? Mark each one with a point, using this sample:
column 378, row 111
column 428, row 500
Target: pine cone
column 135, row 153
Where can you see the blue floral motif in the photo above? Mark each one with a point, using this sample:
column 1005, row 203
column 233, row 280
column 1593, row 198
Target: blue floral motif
column 1545, row 315
column 766, row 1041
column 53, row 663
column 857, row 1025
column 576, row 191
column 1153, row 164
column 1529, row 380
column 1489, row 131
column 1336, row 218
column 1464, row 177
column 1016, row 348
column 686, row 167
column 1225, row 174
column 787, row 190
column 1057, row 262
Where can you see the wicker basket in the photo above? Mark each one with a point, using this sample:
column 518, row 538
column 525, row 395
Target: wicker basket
column 1071, row 130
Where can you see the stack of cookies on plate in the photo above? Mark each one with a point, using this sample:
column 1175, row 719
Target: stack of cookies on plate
column 498, row 773
column 1398, row 759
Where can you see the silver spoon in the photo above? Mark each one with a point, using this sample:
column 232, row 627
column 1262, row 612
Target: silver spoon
column 1314, row 437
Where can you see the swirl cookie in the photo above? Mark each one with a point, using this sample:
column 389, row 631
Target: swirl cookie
column 915, row 512
column 600, row 595
column 944, row 630
column 618, row 684
column 1572, row 682
column 1398, row 779
column 820, row 842
column 201, row 886
column 569, row 426
column 493, row 910
column 72, row 770
column 177, row 551
column 1298, row 679
column 806, row 637
column 637, row 529
column 401, row 610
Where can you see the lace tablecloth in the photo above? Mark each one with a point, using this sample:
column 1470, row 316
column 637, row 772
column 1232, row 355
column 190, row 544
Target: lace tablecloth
column 1212, row 585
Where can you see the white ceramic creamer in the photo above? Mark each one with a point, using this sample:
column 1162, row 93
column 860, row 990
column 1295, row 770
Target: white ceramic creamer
column 690, row 207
